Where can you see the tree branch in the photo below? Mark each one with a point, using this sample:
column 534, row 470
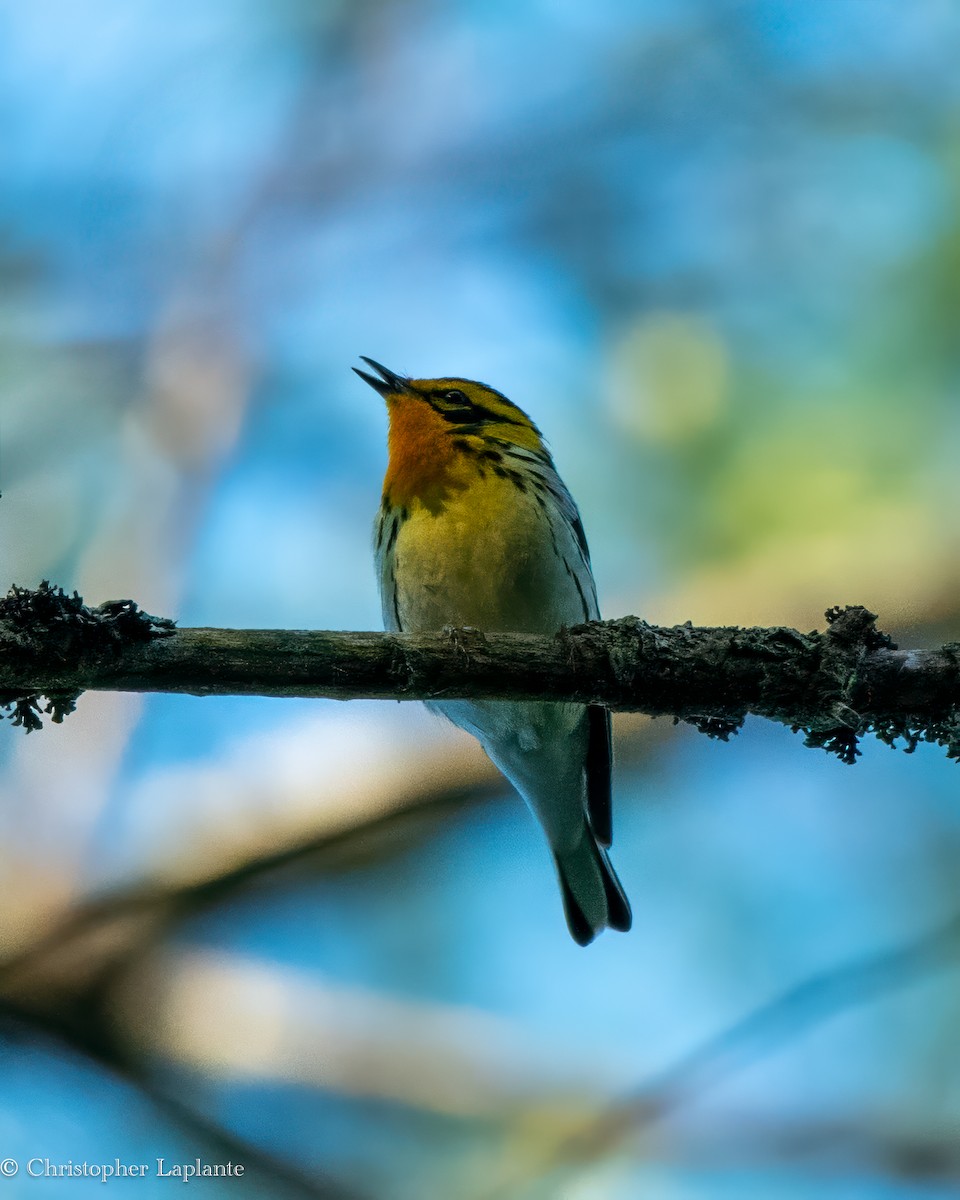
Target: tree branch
column 835, row 685
column 763, row 1032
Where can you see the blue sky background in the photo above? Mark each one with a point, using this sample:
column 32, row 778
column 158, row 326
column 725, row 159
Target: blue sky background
column 713, row 249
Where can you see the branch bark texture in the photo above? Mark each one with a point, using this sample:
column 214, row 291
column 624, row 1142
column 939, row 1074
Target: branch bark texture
column 835, row 685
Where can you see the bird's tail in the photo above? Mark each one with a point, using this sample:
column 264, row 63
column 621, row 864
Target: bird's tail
column 593, row 899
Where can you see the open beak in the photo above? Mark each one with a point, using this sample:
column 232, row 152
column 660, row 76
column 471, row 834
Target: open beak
column 388, row 381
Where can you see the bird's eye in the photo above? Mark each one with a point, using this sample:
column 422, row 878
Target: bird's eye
column 453, row 405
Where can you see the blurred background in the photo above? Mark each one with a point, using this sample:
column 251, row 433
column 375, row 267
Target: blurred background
column 713, row 247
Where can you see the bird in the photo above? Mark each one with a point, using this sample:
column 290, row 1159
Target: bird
column 476, row 529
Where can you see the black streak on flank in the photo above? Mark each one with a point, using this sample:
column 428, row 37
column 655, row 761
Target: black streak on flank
column 396, row 519
column 394, row 528
column 396, row 609
column 399, row 517
column 577, row 526
column 576, row 584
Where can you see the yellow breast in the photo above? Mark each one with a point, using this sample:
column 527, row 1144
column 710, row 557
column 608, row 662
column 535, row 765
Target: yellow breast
column 486, row 558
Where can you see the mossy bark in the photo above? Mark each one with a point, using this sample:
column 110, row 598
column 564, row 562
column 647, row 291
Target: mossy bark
column 834, row 685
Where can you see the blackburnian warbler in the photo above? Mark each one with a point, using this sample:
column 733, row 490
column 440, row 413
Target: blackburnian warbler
column 477, row 529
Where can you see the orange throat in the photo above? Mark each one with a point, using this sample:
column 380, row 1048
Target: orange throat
column 422, row 455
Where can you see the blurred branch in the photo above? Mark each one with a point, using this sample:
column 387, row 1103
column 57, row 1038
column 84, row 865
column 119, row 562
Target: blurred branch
column 796, row 1011
column 265, row 1174
column 834, row 685
column 65, row 985
column 758, row 1035
column 67, row 977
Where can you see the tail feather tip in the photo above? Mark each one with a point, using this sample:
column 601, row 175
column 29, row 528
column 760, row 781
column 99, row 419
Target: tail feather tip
column 596, row 890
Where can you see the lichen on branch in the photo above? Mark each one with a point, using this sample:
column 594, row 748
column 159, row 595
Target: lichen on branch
column 45, row 630
column 834, row 685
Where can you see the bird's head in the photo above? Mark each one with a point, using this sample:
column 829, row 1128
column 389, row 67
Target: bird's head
column 451, row 408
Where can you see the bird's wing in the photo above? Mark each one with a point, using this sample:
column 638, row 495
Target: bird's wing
column 571, row 543
column 385, row 531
